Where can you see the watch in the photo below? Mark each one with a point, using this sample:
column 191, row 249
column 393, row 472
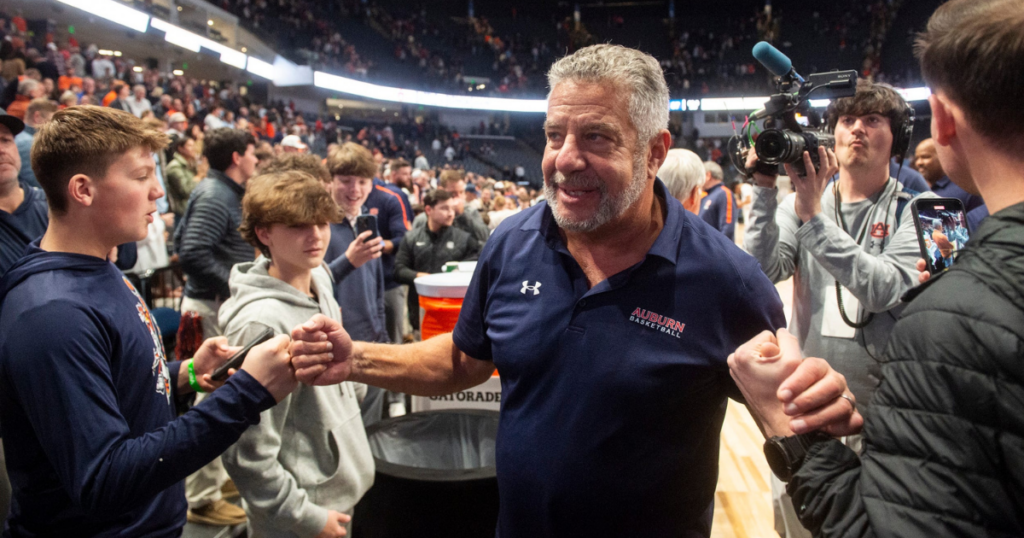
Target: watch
column 785, row 455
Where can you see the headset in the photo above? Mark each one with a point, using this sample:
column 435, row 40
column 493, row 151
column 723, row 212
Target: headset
column 904, row 132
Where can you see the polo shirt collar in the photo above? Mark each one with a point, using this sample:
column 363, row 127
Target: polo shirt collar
column 942, row 183
column 665, row 246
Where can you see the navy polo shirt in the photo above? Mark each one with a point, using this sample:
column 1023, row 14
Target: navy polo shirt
column 718, row 208
column 613, row 396
column 945, row 188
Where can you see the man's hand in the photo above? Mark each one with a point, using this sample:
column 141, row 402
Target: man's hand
column 361, row 251
column 321, row 351
column 815, row 395
column 213, row 353
column 761, row 180
column 922, row 271
column 811, row 187
column 942, row 243
column 270, row 364
column 758, row 367
column 790, row 395
column 335, row 527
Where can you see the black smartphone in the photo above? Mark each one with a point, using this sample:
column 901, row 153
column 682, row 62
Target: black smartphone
column 941, row 230
column 236, row 360
column 367, row 222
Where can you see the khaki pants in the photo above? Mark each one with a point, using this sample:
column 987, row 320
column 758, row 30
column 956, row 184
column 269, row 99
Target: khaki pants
column 203, row 486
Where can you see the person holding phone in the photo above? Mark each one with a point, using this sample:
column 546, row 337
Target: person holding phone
column 943, row 453
column 302, row 469
column 354, row 257
column 91, row 439
column 851, row 243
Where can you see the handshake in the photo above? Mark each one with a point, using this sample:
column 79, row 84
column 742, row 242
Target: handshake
column 317, row 353
column 788, row 394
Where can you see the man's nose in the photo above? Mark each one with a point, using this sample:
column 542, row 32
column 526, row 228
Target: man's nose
column 570, row 156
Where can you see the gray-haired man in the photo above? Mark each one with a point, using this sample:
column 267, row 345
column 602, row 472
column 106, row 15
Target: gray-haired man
column 608, row 311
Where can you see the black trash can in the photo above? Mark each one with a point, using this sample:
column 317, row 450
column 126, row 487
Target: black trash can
column 435, row 477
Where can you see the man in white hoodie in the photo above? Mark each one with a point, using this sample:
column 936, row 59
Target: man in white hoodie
column 302, row 469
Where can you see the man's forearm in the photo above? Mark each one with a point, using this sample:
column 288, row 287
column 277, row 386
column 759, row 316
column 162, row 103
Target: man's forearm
column 435, row 367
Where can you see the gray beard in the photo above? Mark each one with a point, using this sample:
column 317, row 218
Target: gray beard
column 608, row 209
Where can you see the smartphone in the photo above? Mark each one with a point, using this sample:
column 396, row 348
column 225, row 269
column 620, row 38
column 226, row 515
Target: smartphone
column 367, row 222
column 941, row 230
column 236, row 360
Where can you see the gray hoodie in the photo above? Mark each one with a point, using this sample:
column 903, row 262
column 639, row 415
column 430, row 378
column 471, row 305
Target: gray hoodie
column 309, row 454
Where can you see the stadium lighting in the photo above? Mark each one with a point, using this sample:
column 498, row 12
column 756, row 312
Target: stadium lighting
column 178, row 73
column 734, row 104
column 113, row 11
column 260, row 68
column 915, row 94
column 416, row 97
column 187, row 40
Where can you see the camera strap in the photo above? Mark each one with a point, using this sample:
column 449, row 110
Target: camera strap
column 863, row 231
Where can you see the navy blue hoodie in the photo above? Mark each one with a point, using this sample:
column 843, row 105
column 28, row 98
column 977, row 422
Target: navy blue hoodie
column 92, row 443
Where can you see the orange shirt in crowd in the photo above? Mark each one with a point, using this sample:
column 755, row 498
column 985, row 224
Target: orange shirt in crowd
column 109, row 98
column 19, row 107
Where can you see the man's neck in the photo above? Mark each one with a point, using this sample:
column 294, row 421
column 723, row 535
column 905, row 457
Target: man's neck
column 862, row 183
column 11, row 196
column 75, row 236
column 434, row 227
column 998, row 179
column 235, row 174
column 621, row 243
column 299, row 278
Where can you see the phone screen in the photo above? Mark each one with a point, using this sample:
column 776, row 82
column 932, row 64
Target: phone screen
column 942, row 231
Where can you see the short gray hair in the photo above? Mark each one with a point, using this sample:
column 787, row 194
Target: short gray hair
column 715, row 170
column 629, row 68
column 682, row 173
column 27, row 86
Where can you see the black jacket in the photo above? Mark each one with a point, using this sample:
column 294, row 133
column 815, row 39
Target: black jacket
column 944, row 437
column 207, row 239
column 422, row 251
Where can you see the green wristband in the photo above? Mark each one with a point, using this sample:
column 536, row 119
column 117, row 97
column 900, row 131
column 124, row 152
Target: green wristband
column 192, row 381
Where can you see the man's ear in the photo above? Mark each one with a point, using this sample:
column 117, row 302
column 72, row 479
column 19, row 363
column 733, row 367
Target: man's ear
column 943, row 119
column 236, row 159
column 81, row 190
column 659, row 150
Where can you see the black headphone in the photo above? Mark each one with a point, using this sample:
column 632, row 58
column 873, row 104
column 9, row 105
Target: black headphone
column 903, row 133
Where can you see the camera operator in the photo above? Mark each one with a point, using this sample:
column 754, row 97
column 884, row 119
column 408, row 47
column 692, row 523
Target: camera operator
column 868, row 246
column 943, row 440
column 851, row 233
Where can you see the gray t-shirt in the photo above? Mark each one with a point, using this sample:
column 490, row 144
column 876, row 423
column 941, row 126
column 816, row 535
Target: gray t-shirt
column 874, row 261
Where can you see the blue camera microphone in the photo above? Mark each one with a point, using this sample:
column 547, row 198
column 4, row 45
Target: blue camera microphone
column 778, row 63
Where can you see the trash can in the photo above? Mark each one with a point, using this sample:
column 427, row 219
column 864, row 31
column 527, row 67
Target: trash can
column 435, row 477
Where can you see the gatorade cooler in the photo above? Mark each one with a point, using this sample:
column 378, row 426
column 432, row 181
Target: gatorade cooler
column 441, row 297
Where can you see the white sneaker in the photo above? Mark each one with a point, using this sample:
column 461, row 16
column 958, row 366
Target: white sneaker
column 396, row 409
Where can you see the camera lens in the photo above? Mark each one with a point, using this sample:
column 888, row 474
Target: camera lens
column 775, row 146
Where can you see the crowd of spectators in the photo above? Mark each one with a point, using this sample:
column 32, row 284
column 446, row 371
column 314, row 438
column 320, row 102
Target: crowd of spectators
column 449, row 54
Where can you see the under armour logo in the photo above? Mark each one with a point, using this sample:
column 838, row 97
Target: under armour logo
column 534, row 288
